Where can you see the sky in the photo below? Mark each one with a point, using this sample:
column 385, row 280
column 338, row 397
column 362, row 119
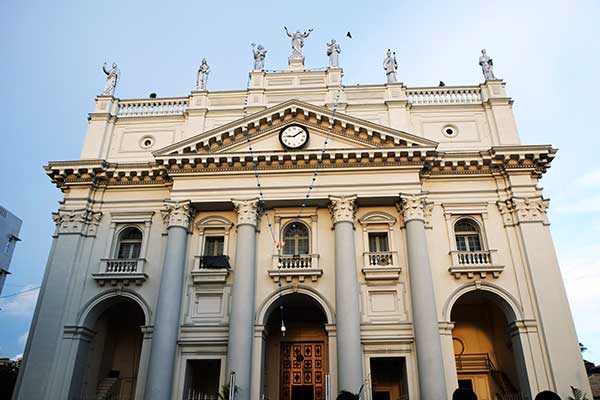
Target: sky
column 51, row 53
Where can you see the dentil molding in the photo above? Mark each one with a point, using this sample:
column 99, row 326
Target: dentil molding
column 342, row 208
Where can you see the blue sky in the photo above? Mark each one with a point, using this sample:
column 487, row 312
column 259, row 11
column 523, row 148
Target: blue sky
column 548, row 52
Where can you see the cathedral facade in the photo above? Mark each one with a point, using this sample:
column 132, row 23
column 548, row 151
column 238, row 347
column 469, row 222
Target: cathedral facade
column 302, row 237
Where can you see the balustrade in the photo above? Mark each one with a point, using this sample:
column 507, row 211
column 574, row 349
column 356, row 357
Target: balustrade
column 126, row 270
column 379, row 258
column 295, row 266
column 441, row 96
column 470, row 263
column 138, row 108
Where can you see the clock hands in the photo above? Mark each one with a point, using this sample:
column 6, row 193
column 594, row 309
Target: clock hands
column 296, row 134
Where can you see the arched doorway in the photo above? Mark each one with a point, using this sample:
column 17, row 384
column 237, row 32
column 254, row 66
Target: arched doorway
column 295, row 364
column 487, row 355
column 113, row 355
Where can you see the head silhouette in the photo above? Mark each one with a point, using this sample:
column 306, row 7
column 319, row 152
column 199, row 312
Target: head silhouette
column 346, row 395
column 464, row 394
column 547, row 395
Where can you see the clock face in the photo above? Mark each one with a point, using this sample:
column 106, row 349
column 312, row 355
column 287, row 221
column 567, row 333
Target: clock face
column 293, row 136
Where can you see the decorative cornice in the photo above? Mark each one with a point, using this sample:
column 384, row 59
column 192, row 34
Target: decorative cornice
column 81, row 221
column 414, row 207
column 342, row 208
column 518, row 210
column 247, row 211
column 178, row 213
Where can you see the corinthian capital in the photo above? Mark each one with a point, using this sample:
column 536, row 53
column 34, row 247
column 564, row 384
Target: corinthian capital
column 247, row 211
column 178, row 213
column 342, row 208
column 77, row 221
column 523, row 209
column 414, row 206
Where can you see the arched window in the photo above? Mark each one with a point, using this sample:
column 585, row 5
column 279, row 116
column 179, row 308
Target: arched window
column 130, row 243
column 468, row 237
column 296, row 239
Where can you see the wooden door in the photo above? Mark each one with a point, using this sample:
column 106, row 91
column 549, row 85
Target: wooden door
column 302, row 364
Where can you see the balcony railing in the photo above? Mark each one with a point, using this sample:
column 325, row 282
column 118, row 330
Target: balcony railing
column 381, row 265
column 470, row 263
column 210, row 269
column 473, row 362
column 121, row 270
column 150, row 107
column 379, row 258
column 298, row 266
column 442, row 96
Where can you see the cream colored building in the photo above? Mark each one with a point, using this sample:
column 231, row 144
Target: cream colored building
column 404, row 245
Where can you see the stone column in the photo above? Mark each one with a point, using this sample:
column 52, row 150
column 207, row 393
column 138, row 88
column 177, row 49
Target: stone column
column 347, row 305
column 430, row 359
column 241, row 320
column 159, row 382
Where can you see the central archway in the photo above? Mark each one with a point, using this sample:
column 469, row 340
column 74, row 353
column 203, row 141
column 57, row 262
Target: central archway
column 296, row 360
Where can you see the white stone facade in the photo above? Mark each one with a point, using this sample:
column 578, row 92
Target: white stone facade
column 404, row 172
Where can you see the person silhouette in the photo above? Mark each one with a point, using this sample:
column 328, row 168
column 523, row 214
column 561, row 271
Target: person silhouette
column 547, row 395
column 464, row 394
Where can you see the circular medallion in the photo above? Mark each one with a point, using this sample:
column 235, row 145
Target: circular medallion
column 293, row 136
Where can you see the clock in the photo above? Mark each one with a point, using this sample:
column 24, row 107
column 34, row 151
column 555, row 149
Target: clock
column 293, row 136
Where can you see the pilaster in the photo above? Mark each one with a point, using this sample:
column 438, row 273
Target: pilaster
column 498, row 108
column 100, row 127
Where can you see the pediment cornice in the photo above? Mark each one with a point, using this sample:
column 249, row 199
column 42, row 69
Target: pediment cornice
column 500, row 160
column 364, row 133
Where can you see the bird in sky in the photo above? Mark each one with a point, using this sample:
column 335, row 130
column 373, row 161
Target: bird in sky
column 349, row 35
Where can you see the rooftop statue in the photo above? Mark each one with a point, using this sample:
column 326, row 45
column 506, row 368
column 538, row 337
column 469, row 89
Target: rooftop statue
column 487, row 65
column 297, row 42
column 333, row 51
column 112, row 76
column 390, row 65
column 259, row 57
column 203, row 72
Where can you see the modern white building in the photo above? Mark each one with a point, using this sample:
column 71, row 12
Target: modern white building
column 10, row 225
column 301, row 231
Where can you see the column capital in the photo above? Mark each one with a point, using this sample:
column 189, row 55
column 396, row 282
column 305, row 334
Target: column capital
column 247, row 211
column 178, row 213
column 342, row 208
column 413, row 206
column 517, row 210
column 81, row 221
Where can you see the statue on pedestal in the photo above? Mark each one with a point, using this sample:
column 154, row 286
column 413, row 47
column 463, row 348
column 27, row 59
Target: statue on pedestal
column 333, row 51
column 390, row 65
column 203, row 72
column 297, row 43
column 112, row 76
column 259, row 57
column 487, row 65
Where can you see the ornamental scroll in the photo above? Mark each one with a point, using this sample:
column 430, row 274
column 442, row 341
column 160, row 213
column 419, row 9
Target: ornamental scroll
column 247, row 211
column 177, row 213
column 523, row 209
column 79, row 221
column 342, row 208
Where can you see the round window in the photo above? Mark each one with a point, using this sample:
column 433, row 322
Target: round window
column 450, row 130
column 147, row 142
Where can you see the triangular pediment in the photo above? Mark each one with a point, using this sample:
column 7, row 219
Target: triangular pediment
column 341, row 131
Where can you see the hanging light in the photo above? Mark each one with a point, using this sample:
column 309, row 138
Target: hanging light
column 283, row 328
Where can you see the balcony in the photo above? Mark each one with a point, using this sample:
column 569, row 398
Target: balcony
column 300, row 266
column 126, row 271
column 381, row 265
column 471, row 263
column 210, row 269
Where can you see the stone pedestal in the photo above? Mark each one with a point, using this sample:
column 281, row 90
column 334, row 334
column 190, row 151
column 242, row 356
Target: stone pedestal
column 430, row 359
column 241, row 325
column 296, row 63
column 347, row 305
column 159, row 384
